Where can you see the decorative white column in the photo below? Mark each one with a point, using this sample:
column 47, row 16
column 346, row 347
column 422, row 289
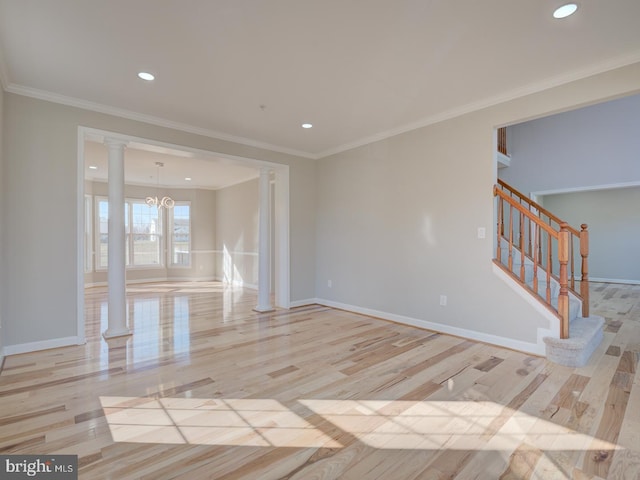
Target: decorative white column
column 264, row 244
column 116, row 279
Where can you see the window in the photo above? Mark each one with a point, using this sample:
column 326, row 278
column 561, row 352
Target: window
column 180, row 234
column 143, row 234
column 88, row 229
column 102, row 233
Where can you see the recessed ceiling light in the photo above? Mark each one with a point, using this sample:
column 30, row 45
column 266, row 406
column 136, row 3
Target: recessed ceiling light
column 146, row 76
column 188, row 179
column 565, row 10
column 92, row 167
column 306, row 125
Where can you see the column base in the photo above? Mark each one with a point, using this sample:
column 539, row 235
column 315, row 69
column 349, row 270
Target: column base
column 114, row 333
column 264, row 309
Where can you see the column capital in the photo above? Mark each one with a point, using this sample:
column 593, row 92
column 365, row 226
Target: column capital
column 112, row 142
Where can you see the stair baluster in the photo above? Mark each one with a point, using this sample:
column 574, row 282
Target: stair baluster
column 537, row 239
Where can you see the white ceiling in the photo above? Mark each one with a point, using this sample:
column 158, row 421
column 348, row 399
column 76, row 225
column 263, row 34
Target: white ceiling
column 254, row 70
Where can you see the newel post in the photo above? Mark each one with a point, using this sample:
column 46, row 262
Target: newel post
column 563, row 298
column 584, row 281
column 500, row 225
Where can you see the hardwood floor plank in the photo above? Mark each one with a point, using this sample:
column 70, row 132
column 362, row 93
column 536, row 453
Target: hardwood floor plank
column 218, row 391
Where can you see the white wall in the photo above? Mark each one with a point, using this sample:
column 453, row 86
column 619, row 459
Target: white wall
column 237, row 233
column 613, row 216
column 596, row 145
column 40, row 176
column 397, row 221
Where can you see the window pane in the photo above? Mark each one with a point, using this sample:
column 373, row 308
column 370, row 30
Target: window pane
column 102, row 233
column 146, row 249
column 181, row 235
column 146, row 234
column 88, row 231
column 102, row 230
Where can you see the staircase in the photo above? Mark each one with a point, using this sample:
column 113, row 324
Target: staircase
column 532, row 245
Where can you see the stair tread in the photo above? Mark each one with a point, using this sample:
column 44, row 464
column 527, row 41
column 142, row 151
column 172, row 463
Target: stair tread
column 585, row 334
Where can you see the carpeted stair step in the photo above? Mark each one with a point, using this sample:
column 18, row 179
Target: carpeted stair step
column 585, row 334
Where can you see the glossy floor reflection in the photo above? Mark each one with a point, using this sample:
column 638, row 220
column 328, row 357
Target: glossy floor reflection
column 164, row 318
column 206, row 388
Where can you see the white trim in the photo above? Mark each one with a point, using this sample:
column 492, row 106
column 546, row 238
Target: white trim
column 282, row 260
column 281, row 209
column 98, row 135
column 623, row 281
column 304, row 303
column 511, row 343
column 80, row 233
column 42, row 345
column 556, row 81
column 503, row 160
column 150, row 119
column 156, row 280
column 193, row 186
column 169, row 234
column 608, row 65
column 235, row 252
column 590, row 188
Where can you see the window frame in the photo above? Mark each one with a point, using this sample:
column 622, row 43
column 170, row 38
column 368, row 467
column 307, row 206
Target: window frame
column 129, row 236
column 170, row 235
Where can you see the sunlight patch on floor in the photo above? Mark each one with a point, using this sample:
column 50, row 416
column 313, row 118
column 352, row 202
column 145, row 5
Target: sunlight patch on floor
column 240, row 422
column 392, row 424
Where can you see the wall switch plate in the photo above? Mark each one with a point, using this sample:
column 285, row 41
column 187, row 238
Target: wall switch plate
column 443, row 300
column 482, row 232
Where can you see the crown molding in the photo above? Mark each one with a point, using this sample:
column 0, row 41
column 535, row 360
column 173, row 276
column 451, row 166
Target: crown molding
column 559, row 80
column 611, row 64
column 150, row 119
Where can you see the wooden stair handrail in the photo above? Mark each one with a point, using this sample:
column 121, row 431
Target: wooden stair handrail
column 537, row 206
column 563, row 235
column 525, row 211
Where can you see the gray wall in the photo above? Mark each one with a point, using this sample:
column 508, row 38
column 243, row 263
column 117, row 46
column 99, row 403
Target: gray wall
column 40, row 180
column 596, row 145
column 613, row 217
column 397, row 219
column 592, row 146
column 203, row 215
column 395, row 224
column 237, row 233
column 2, row 251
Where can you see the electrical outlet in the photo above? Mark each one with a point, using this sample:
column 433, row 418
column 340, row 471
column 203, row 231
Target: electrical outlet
column 443, row 300
column 329, row 283
column 482, row 232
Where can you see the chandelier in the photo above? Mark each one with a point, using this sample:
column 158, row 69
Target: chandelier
column 166, row 202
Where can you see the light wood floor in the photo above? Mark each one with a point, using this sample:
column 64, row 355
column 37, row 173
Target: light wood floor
column 206, row 388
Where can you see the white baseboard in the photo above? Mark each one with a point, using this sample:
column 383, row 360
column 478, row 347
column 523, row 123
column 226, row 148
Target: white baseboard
column 511, row 343
column 615, row 280
column 303, row 303
column 42, row 345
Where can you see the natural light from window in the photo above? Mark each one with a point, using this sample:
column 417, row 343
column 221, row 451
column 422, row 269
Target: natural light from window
column 382, row 424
